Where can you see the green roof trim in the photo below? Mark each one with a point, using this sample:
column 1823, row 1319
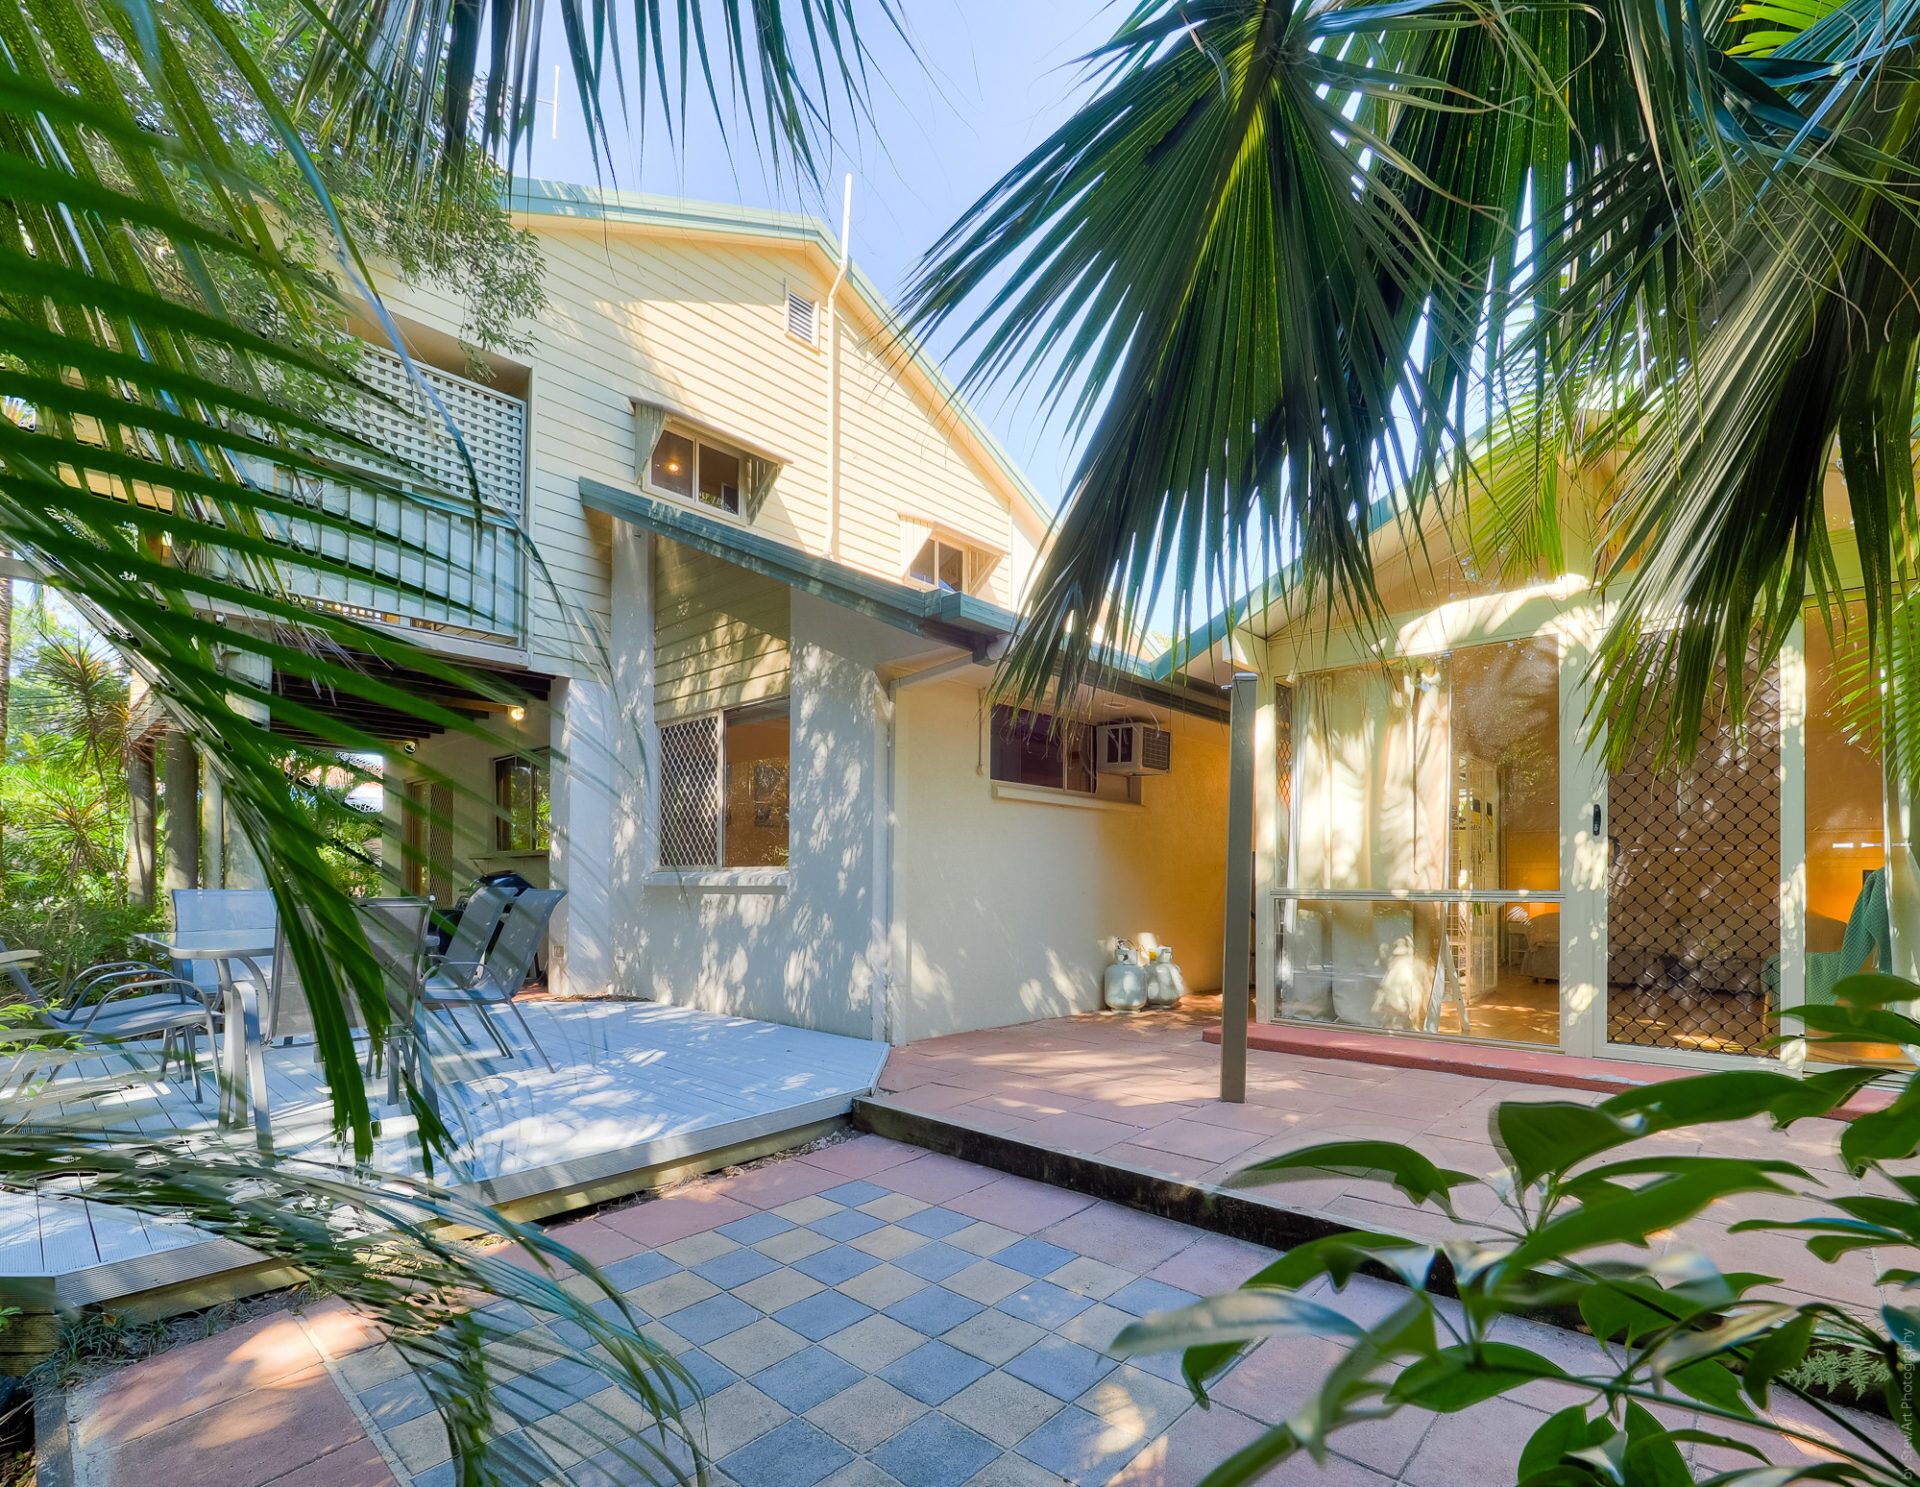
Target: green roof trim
column 962, row 620
column 562, row 199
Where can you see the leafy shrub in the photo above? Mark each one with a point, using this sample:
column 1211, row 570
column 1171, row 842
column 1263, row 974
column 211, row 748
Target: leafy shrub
column 1576, row 1196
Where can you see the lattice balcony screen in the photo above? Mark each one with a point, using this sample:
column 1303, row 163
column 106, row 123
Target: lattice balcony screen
column 690, row 792
column 1693, row 891
column 427, row 557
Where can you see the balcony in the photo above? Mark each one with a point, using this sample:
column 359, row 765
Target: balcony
column 424, row 557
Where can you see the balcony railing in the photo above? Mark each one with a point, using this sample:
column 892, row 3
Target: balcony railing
column 426, row 557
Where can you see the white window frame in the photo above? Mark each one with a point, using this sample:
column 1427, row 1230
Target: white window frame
column 697, row 437
column 974, row 566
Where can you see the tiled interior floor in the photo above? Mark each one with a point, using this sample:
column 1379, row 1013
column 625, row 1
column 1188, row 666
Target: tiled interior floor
column 864, row 1315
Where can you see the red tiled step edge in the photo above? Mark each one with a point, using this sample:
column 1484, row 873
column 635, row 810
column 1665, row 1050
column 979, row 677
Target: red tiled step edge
column 1481, row 1060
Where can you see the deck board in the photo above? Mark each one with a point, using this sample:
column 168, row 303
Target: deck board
column 633, row 1084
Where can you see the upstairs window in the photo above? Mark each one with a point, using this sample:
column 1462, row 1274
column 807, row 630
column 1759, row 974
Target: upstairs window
column 946, row 565
column 1038, row 749
column 695, row 469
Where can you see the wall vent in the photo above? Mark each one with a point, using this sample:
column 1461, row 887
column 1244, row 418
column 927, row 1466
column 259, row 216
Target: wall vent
column 803, row 317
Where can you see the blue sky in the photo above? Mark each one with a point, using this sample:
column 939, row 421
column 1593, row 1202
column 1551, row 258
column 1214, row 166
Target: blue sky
column 992, row 78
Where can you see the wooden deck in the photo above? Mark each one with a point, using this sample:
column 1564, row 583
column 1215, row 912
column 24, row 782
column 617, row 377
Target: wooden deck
column 636, row 1088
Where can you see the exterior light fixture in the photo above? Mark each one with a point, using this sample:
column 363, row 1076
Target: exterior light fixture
column 518, row 714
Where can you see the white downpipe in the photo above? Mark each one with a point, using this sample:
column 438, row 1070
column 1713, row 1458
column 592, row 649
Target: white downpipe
column 833, row 370
column 898, row 982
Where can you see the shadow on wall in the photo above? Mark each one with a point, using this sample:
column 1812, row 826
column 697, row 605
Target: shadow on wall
column 1012, row 905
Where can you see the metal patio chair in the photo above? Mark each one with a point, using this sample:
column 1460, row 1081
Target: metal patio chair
column 504, row 969
column 473, row 935
column 106, row 1005
column 207, row 910
column 396, row 933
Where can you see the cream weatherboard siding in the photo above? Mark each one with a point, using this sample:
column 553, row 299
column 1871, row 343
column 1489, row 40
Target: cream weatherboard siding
column 722, row 637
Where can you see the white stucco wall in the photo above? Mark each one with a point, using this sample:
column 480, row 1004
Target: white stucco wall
column 808, row 949
column 1008, row 907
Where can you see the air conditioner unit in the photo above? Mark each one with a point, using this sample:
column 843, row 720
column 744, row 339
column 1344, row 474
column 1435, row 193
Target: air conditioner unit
column 1135, row 748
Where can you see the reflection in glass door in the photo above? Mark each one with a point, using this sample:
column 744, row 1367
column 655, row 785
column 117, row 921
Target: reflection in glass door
column 1693, row 890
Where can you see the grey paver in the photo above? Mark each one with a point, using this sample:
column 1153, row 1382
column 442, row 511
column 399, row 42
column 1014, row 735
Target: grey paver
column 698, row 1247
column 822, row 1315
column 795, row 1244
column 756, row 1346
column 874, row 1342
column 754, row 1228
column 735, row 1268
column 1002, row 1408
column 1044, row 1304
column 715, row 1317
column 1064, row 1369
column 935, row 1452
column 867, row 1413
column 811, row 1376
column 737, row 1414
column 994, row 1336
column 840, row 1263
column 934, row 1310
column 894, row 1207
column 881, row 1286
column 889, row 1242
column 982, row 1238
column 778, row 1288
column 1082, row 1447
column 936, row 1223
column 847, row 1224
column 1033, row 1256
column 853, row 1194
column 795, row 1454
column 1143, row 1295
column 985, row 1281
column 933, row 1372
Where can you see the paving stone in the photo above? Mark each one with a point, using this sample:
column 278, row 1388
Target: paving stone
column 663, row 1297
column 794, row 1455
column 756, row 1346
column 1064, row 1369
column 889, row 1242
column 1010, row 1469
column 894, row 1207
column 865, row 1414
column 933, row 1372
column 1134, row 1396
column 935, row 1260
column 1082, row 1447
column 994, row 1336
column 1033, row 1257
column 754, row 1228
column 710, row 1376
column 548, row 1390
column 419, row 1443
column 697, row 1247
column 881, row 1286
column 375, row 1366
column 841, row 1263
column 934, row 1310
column 1144, row 1295
column 854, row 1193
column 715, row 1317
column 1096, row 1327
column 1200, row 1440
column 982, row 1238
column 1044, row 1304
column 811, row 1376
column 860, row 1472
column 1121, row 1236
column 795, row 1244
column 874, row 1343
column 935, row 1223
column 985, row 1281
column 396, row 1401
column 806, row 1210
column 822, row 1315
column 1090, row 1277
column 1002, row 1408
column 735, row 1268
column 934, row 1452
column 778, row 1288
column 737, row 1414
column 847, row 1224
column 638, row 1270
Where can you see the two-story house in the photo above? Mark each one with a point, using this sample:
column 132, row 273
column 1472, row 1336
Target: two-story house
column 774, row 559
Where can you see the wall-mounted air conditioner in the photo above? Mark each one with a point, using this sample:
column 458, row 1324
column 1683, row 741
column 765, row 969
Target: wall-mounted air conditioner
column 1135, row 748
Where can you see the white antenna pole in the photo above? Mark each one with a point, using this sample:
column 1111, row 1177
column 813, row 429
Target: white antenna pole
column 556, row 100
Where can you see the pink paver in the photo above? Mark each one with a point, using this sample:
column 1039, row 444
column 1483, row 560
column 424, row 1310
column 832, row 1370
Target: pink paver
column 1121, row 1236
column 776, row 1183
column 862, row 1157
column 689, row 1210
column 935, row 1178
column 592, row 1240
column 1018, row 1204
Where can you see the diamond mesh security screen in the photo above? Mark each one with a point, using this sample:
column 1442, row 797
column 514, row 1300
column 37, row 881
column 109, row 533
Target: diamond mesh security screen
column 1693, row 891
column 1283, row 746
column 690, row 801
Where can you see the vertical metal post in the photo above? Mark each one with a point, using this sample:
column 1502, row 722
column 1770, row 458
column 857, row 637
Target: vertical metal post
column 180, row 868
column 1237, row 954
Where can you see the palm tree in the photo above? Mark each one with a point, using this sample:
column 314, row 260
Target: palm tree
column 165, row 344
column 1291, row 259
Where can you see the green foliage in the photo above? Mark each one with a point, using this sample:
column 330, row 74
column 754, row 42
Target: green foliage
column 1571, row 1211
